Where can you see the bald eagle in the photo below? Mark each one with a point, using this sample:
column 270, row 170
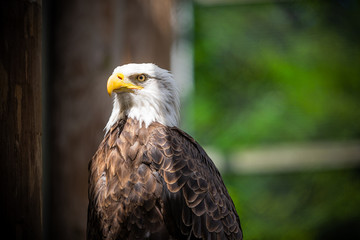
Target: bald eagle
column 149, row 179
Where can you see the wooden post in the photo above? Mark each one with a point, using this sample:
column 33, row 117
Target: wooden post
column 20, row 119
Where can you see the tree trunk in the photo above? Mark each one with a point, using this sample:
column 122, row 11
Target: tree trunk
column 20, row 117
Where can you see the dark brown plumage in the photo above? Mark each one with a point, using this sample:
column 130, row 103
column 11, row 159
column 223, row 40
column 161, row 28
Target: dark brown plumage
column 156, row 183
column 149, row 179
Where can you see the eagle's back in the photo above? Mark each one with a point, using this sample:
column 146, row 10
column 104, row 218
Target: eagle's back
column 156, row 183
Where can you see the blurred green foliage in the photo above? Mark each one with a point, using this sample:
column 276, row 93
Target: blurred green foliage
column 281, row 72
column 311, row 206
column 270, row 73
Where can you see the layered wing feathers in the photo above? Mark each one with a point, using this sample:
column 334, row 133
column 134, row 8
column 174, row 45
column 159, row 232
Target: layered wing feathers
column 191, row 180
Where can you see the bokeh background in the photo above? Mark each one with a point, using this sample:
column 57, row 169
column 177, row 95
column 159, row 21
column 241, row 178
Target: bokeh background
column 277, row 96
column 271, row 89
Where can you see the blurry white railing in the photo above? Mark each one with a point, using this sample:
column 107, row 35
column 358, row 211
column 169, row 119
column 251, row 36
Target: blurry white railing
column 290, row 157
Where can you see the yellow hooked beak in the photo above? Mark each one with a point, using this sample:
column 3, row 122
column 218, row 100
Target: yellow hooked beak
column 116, row 83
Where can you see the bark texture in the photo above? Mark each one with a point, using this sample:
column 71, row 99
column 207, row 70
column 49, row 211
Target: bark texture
column 20, row 119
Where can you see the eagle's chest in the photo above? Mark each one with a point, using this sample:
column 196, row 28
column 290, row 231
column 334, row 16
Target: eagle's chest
column 126, row 186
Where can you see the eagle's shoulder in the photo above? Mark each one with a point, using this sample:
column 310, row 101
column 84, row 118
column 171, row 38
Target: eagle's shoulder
column 194, row 193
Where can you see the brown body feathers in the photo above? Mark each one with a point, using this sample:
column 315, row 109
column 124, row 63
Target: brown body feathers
column 156, row 183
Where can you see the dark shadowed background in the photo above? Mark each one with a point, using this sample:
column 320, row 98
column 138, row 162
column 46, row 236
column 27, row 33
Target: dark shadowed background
column 270, row 88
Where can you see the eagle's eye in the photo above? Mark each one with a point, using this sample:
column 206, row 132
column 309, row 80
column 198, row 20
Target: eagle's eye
column 141, row 77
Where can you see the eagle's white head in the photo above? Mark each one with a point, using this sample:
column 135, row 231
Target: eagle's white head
column 143, row 92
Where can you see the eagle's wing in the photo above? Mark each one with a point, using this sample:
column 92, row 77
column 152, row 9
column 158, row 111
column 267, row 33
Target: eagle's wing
column 196, row 202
